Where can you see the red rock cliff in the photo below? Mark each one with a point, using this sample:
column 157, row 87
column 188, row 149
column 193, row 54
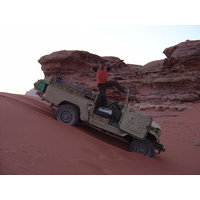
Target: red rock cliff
column 174, row 79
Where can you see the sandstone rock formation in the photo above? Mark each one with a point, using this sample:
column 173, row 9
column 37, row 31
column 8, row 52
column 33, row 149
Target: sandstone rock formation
column 75, row 68
column 72, row 62
column 175, row 79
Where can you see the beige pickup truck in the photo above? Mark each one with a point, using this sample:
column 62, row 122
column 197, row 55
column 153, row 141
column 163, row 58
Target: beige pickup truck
column 72, row 105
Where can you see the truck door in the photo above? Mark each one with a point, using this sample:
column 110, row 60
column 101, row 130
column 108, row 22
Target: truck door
column 135, row 124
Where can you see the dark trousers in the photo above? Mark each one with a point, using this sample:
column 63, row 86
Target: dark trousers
column 102, row 90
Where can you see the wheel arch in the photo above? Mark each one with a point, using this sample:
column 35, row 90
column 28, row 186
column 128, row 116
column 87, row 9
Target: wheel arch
column 71, row 104
column 67, row 113
column 153, row 135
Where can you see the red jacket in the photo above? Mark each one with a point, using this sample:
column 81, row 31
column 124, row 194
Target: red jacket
column 101, row 74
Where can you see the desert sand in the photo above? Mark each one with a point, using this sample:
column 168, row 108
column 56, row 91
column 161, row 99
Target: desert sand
column 32, row 142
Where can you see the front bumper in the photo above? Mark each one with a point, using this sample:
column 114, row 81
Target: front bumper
column 159, row 147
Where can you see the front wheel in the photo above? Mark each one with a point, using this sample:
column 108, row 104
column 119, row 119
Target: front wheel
column 143, row 147
column 67, row 114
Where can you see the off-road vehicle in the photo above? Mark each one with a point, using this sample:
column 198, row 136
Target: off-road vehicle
column 72, row 104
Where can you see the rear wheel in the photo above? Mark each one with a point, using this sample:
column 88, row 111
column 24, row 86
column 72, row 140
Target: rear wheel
column 67, row 114
column 143, row 147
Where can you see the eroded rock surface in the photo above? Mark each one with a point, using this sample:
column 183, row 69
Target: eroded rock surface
column 175, row 79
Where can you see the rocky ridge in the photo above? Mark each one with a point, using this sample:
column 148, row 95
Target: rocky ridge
column 174, row 80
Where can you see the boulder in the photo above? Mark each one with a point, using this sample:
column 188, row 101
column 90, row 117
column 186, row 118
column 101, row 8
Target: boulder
column 185, row 54
column 73, row 63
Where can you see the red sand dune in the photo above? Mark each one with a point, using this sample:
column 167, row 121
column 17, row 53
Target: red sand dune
column 32, row 142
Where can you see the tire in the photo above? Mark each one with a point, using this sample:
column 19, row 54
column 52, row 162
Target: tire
column 143, row 147
column 67, row 114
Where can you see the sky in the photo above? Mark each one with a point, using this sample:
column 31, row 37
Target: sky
column 138, row 33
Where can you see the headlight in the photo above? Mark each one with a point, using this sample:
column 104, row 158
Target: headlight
column 155, row 130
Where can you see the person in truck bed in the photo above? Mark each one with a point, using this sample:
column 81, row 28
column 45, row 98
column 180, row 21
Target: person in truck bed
column 103, row 83
column 58, row 78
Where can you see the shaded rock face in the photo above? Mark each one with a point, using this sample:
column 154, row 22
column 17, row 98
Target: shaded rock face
column 183, row 65
column 183, row 57
column 68, row 62
column 75, row 67
column 174, row 79
column 72, row 62
column 179, row 73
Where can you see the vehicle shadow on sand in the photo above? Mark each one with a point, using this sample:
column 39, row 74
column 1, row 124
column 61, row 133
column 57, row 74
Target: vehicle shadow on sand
column 104, row 136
